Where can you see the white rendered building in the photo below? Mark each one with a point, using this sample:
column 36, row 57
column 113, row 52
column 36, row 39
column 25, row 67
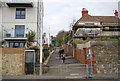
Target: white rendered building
column 17, row 18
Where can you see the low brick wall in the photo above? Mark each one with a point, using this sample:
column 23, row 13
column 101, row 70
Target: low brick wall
column 12, row 61
column 80, row 55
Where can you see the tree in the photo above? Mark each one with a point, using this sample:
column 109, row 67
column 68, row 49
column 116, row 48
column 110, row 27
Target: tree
column 62, row 37
column 30, row 38
column 3, row 43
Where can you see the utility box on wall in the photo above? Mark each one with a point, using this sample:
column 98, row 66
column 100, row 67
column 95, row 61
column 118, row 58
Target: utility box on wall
column 29, row 61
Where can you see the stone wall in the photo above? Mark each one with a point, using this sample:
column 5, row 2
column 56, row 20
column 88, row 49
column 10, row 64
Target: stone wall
column 0, row 64
column 106, row 55
column 106, row 59
column 13, row 61
column 104, row 42
column 97, row 42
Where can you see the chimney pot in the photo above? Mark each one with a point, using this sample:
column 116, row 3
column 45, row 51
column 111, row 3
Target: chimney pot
column 116, row 13
column 84, row 12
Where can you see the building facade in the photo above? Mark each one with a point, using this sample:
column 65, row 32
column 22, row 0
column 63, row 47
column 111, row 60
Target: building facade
column 17, row 18
column 97, row 26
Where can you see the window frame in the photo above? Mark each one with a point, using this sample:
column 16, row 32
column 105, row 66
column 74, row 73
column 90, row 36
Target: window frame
column 20, row 15
column 13, row 44
column 17, row 27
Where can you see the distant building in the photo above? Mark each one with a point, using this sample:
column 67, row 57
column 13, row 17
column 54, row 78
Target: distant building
column 17, row 18
column 96, row 26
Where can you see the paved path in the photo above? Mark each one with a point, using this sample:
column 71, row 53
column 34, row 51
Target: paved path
column 70, row 69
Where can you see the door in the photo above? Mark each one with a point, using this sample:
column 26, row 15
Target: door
column 29, row 61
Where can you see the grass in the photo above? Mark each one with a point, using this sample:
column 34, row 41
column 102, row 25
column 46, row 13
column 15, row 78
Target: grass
column 113, row 39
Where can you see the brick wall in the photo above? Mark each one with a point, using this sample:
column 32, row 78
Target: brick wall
column 13, row 50
column 80, row 55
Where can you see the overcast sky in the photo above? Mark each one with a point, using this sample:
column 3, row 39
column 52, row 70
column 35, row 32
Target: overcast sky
column 58, row 14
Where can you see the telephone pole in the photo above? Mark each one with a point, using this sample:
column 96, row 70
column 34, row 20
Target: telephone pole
column 40, row 30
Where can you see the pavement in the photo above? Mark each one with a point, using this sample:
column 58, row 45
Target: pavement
column 71, row 69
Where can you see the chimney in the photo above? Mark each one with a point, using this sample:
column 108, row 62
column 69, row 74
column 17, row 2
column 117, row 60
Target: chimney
column 84, row 12
column 116, row 13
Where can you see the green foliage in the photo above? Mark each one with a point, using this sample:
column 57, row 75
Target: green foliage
column 3, row 42
column 62, row 37
column 87, row 40
column 112, row 39
column 36, row 48
column 75, row 44
column 30, row 38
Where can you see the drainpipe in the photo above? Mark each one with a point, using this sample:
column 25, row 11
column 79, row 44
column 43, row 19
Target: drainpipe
column 73, row 45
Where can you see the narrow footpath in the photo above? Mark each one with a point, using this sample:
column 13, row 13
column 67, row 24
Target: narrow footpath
column 70, row 69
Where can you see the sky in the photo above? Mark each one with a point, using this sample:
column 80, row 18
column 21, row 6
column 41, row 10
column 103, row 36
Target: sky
column 59, row 14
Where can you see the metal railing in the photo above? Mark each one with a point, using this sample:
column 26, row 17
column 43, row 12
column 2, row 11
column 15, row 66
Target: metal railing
column 9, row 33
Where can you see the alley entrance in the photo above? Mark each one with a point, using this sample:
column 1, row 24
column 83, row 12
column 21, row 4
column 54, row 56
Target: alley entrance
column 70, row 69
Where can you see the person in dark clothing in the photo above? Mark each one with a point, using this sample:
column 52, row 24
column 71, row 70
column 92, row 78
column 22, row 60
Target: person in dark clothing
column 63, row 58
column 60, row 53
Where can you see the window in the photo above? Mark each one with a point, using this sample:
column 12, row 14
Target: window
column 89, row 23
column 19, row 30
column 17, row 44
column 21, row 44
column 20, row 13
column 8, row 35
column 11, row 44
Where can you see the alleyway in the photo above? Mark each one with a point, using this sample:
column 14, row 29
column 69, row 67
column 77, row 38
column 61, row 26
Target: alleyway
column 70, row 69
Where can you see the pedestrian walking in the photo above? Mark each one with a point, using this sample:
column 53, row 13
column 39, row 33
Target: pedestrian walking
column 60, row 53
column 63, row 58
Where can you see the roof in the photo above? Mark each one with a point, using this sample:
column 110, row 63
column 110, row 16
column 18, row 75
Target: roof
column 111, row 20
column 19, row 4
